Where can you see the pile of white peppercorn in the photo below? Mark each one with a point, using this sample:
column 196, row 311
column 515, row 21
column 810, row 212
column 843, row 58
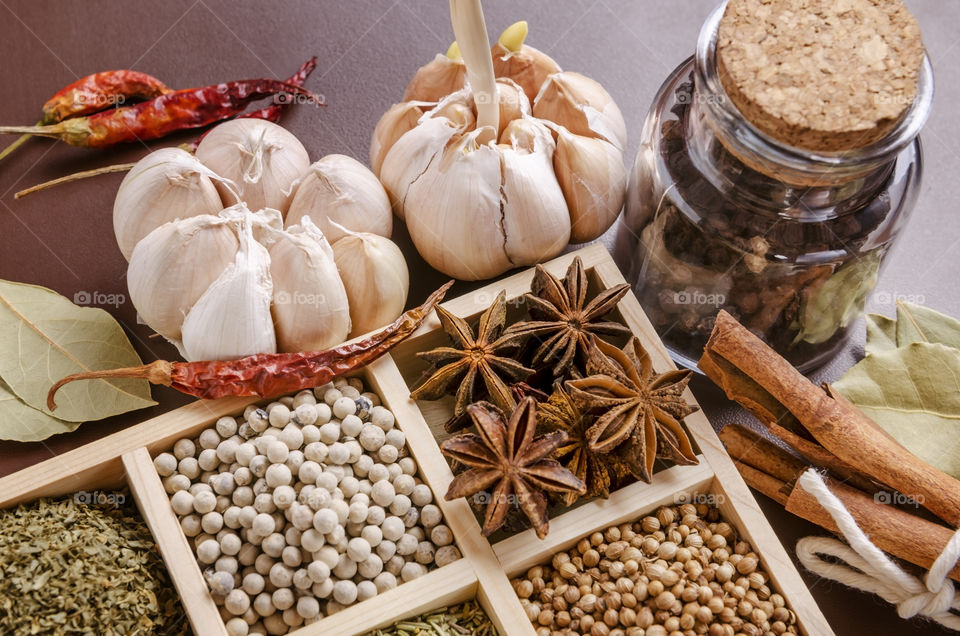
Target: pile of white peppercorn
column 303, row 507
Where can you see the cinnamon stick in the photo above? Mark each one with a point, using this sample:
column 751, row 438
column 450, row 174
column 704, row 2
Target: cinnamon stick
column 891, row 529
column 753, row 374
column 761, row 481
column 749, row 447
column 822, row 458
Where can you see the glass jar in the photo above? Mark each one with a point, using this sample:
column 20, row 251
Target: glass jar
column 721, row 216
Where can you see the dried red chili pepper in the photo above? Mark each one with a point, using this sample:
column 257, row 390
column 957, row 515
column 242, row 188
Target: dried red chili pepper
column 100, row 91
column 267, row 374
column 160, row 116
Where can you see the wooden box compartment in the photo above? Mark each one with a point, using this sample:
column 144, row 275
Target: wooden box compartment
column 485, row 569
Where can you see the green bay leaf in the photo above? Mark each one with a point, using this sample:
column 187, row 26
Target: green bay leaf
column 839, row 300
column 881, row 333
column 912, row 392
column 44, row 337
column 23, row 423
column 916, row 323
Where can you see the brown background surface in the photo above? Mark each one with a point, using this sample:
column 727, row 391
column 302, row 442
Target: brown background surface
column 367, row 51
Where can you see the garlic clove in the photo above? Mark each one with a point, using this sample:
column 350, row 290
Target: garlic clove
column 524, row 64
column 513, row 102
column 375, row 277
column 174, row 265
column 582, row 106
column 399, row 119
column 310, row 305
column 263, row 159
column 593, row 179
column 536, row 223
column 340, row 192
column 166, row 185
column 411, row 155
column 232, row 318
column 439, row 77
column 453, row 202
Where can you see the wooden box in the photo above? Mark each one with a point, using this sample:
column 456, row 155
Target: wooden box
column 124, row 458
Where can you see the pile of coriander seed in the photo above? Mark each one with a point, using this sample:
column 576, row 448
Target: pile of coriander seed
column 678, row 572
column 303, row 507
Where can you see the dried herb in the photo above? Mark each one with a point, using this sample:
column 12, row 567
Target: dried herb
column 43, row 336
column 909, row 383
column 510, row 461
column 464, row 619
column 639, row 412
column 474, row 359
column 564, row 317
column 560, row 413
column 70, row 567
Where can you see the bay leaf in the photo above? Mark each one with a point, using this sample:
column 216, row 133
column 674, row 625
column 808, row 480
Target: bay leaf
column 916, row 323
column 44, row 337
column 912, row 392
column 23, row 423
column 881, row 333
column 839, row 300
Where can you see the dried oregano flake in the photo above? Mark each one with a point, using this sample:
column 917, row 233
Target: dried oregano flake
column 68, row 567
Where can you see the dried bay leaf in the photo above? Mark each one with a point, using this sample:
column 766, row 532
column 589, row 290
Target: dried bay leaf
column 44, row 337
column 881, row 333
column 916, row 323
column 912, row 392
column 837, row 302
column 23, row 423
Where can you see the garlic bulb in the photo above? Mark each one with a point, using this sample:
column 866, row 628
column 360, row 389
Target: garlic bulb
column 165, row 185
column 310, row 305
column 263, row 159
column 438, row 78
column 375, row 277
column 174, row 265
column 395, row 122
column 232, row 318
column 340, row 192
column 510, row 185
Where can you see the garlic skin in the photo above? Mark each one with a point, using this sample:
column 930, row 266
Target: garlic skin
column 593, row 180
column 232, row 318
column 262, row 159
column 174, row 265
column 394, row 123
column 310, row 305
column 375, row 277
column 582, row 106
column 438, row 78
column 522, row 63
column 167, row 184
column 339, row 192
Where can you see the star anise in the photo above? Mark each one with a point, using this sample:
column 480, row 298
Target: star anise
column 639, row 412
column 564, row 317
column 507, row 459
column 474, row 359
column 561, row 414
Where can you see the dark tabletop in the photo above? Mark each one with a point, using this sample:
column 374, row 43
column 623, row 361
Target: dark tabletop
column 367, row 50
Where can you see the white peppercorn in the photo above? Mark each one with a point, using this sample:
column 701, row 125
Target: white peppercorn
column 345, row 592
column 208, row 551
column 407, row 544
column 282, row 598
column 222, row 503
column 325, row 520
column 263, row 524
column 182, row 502
column 237, row 602
column 388, row 454
column 365, row 590
column 343, row 407
column 382, row 493
column 346, row 568
column 305, row 414
column 291, row 556
column 209, row 438
column 223, row 483
column 358, row 512
column 165, row 463
column 252, row 583
column 184, row 448
column 338, row 453
column 226, row 427
column 292, row 436
column 308, row 607
column 441, row 535
column 279, row 415
column 204, row 502
column 382, row 417
column 378, row 473
column 446, row 554
column 263, row 563
column 385, row 581
column 331, row 396
column 396, row 438
column 349, row 486
column 208, row 459
column 188, row 466
column 263, row 503
column 236, row 626
column 336, row 536
column 263, row 604
column 294, row 459
column 190, row 524
column 226, row 563
column 375, row 515
column 342, row 509
column 412, row 570
column 230, row 544
column 283, row 497
column 358, row 549
column 278, row 475
column 354, row 450
column 281, row 575
column 425, row 553
column 212, row 522
column 404, row 484
column 175, row 483
column 323, row 589
column 410, row 519
column 401, row 505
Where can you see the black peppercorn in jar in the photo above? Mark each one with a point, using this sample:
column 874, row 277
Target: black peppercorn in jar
column 776, row 167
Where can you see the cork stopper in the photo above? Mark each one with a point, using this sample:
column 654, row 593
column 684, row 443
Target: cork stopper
column 823, row 75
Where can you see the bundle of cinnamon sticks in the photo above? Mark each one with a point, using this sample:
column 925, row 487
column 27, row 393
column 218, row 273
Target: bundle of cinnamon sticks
column 867, row 469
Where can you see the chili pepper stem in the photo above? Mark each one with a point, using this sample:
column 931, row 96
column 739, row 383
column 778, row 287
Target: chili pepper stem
column 158, row 372
column 9, row 149
column 37, row 131
column 76, row 176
